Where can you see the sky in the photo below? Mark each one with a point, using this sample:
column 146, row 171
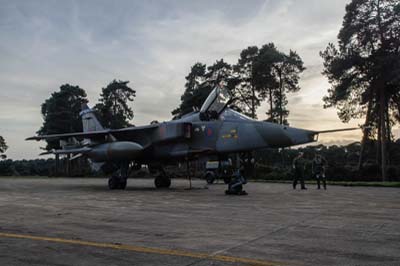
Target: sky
column 153, row 44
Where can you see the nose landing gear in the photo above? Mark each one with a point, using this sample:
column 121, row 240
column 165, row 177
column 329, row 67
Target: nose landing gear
column 117, row 182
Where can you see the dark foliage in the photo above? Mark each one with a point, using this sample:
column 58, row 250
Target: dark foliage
column 3, row 148
column 38, row 167
column 61, row 113
column 259, row 74
column 275, row 74
column 364, row 69
column 113, row 109
column 44, row 167
column 194, row 94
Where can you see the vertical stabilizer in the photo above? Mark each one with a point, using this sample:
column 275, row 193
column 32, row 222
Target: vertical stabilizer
column 89, row 120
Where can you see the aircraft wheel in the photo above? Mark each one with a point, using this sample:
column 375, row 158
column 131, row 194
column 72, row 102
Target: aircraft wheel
column 116, row 183
column 167, row 182
column 122, row 184
column 210, row 178
column 162, row 182
column 158, row 182
column 113, row 183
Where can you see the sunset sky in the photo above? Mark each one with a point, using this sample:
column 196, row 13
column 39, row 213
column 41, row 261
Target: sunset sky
column 44, row 44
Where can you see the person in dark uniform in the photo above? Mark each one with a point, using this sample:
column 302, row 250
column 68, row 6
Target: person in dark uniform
column 299, row 166
column 248, row 162
column 318, row 169
column 235, row 187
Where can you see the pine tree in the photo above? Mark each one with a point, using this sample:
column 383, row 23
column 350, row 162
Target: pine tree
column 3, row 148
column 364, row 69
column 194, row 95
column 61, row 113
column 113, row 109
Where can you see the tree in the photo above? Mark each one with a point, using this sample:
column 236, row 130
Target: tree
column 247, row 92
column 194, row 94
column 60, row 113
column 259, row 74
column 276, row 74
column 287, row 72
column 3, row 148
column 264, row 79
column 201, row 81
column 364, row 69
column 113, row 109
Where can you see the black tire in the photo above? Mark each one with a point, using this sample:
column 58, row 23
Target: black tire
column 112, row 183
column 158, row 182
column 116, row 183
column 162, row 182
column 122, row 184
column 210, row 178
column 167, row 182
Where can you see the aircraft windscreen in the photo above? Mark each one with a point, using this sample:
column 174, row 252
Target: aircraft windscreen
column 216, row 101
column 231, row 115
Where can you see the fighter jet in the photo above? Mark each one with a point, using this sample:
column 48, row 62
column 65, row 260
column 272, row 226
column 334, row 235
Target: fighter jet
column 215, row 129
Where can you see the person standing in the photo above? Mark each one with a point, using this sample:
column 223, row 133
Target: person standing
column 318, row 169
column 299, row 166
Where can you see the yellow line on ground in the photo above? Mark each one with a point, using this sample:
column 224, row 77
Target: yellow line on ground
column 140, row 249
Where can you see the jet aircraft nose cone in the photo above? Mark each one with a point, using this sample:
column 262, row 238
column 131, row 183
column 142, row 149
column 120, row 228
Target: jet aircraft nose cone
column 278, row 136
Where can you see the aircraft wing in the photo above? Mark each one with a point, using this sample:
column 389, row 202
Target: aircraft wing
column 95, row 134
column 71, row 135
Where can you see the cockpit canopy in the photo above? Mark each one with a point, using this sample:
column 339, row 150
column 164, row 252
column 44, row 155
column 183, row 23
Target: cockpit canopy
column 215, row 103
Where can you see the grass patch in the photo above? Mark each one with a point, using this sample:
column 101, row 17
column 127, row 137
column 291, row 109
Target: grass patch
column 340, row 183
column 365, row 184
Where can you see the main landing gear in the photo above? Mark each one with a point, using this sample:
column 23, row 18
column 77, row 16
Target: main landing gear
column 119, row 180
column 162, row 180
column 116, row 182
